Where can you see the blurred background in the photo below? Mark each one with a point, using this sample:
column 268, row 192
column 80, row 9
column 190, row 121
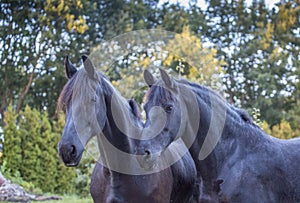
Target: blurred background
column 249, row 50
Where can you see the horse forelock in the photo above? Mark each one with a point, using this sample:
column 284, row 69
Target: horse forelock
column 65, row 96
column 159, row 90
column 79, row 86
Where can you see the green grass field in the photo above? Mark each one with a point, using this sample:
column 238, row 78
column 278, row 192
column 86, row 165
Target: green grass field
column 67, row 199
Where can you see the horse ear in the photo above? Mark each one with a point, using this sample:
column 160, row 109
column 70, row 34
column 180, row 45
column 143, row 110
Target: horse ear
column 169, row 82
column 70, row 68
column 88, row 66
column 134, row 108
column 149, row 78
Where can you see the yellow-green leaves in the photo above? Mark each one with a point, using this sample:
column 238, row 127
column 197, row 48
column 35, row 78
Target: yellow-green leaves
column 197, row 63
column 62, row 9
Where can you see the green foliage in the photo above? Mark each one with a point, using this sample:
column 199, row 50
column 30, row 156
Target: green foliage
column 30, row 152
column 265, row 126
column 30, row 131
column 67, row 199
column 259, row 53
column 256, row 47
column 17, row 179
column 65, row 178
column 189, row 58
column 13, row 141
column 183, row 51
column 113, row 18
column 256, row 117
column 48, row 156
column 259, row 46
column 283, row 130
column 33, row 31
column 84, row 173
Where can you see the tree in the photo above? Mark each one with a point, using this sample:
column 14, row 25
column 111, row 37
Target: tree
column 65, row 177
column 259, row 70
column 30, row 151
column 32, row 33
column 12, row 153
column 189, row 58
column 283, row 130
column 287, row 23
column 184, row 51
column 48, row 156
column 265, row 126
column 30, row 132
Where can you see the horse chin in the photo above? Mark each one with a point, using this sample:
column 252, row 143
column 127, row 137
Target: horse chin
column 75, row 162
column 149, row 166
column 72, row 164
column 148, row 163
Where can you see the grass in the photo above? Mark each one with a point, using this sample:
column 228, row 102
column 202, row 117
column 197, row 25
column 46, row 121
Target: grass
column 71, row 199
column 66, row 199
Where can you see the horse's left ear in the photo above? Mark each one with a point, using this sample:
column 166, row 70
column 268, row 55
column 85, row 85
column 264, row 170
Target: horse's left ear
column 149, row 78
column 135, row 108
column 70, row 68
column 88, row 66
column 169, row 81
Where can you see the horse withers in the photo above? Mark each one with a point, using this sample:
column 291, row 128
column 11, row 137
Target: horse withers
column 225, row 144
column 92, row 104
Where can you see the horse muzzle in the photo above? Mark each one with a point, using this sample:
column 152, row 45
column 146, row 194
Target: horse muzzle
column 148, row 161
column 69, row 154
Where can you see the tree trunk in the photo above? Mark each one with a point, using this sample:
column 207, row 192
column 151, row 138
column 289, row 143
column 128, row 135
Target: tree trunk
column 25, row 91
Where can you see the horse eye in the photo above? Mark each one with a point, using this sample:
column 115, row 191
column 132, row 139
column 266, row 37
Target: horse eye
column 94, row 99
column 168, row 108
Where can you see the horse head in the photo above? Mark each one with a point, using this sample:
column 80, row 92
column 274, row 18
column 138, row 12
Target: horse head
column 82, row 99
column 166, row 120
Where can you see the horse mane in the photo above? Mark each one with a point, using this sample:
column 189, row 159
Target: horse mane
column 77, row 85
column 203, row 92
column 244, row 115
column 233, row 111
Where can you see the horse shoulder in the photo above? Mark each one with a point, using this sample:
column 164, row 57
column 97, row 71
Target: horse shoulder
column 184, row 175
column 99, row 183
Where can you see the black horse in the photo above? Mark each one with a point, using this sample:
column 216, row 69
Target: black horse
column 225, row 144
column 95, row 108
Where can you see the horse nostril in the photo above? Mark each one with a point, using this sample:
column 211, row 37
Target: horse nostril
column 147, row 152
column 73, row 150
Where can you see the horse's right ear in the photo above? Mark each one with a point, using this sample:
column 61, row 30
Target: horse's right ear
column 70, row 68
column 88, row 66
column 168, row 80
column 149, row 78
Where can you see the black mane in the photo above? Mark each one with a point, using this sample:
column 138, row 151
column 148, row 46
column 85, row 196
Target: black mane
column 203, row 92
column 65, row 96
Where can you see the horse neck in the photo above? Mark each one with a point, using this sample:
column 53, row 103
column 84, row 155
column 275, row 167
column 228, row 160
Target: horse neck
column 238, row 137
column 116, row 106
column 230, row 131
column 118, row 115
